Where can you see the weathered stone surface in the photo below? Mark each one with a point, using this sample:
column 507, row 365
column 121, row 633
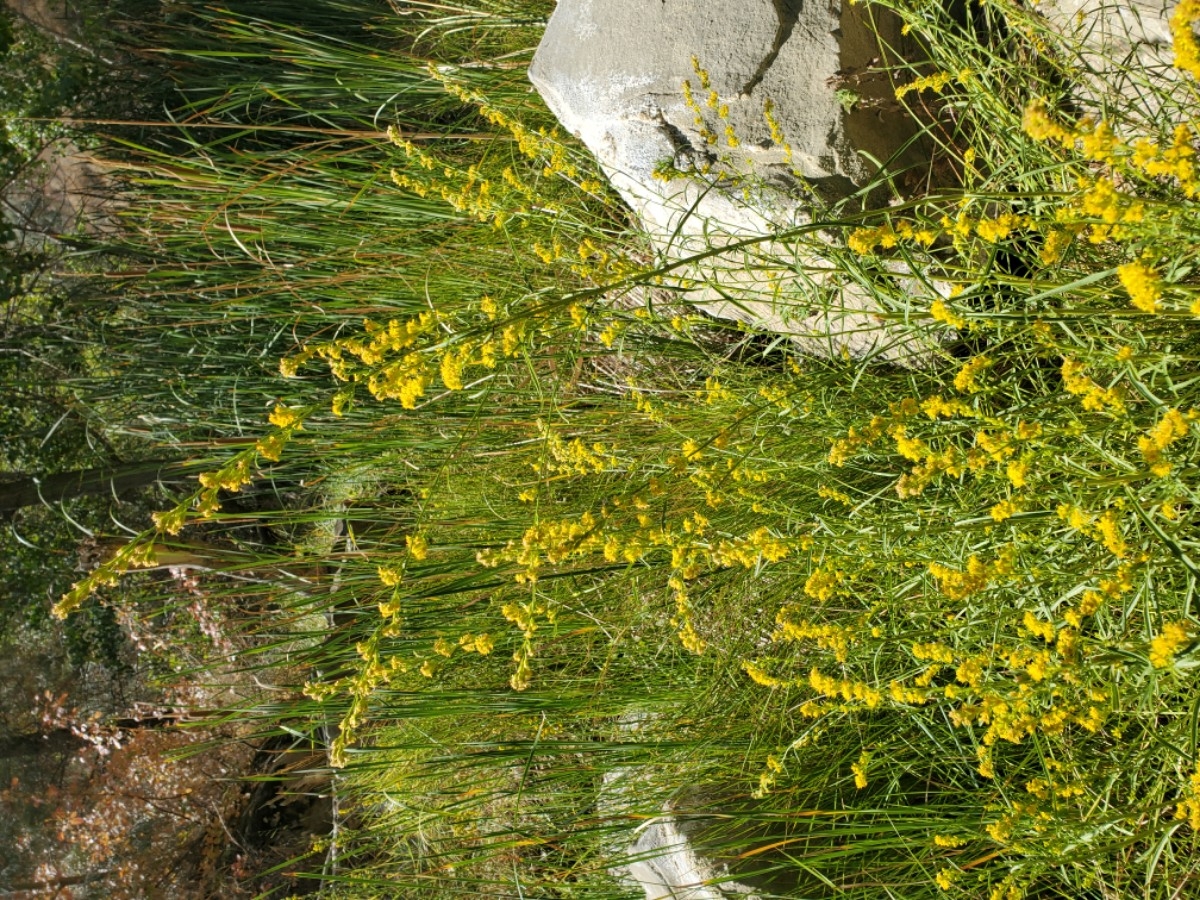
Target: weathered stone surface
column 658, row 855
column 1125, row 48
column 662, row 861
column 1119, row 31
column 613, row 72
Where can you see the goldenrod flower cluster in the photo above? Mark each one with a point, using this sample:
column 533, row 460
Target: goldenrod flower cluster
column 1170, row 429
column 864, row 240
column 1168, row 642
column 1188, row 809
column 235, row 474
column 977, row 575
column 1143, row 284
column 776, row 130
column 1094, row 397
column 935, row 82
column 949, row 841
column 822, row 582
column 527, row 617
column 933, row 652
column 759, row 675
column 850, row 691
column 547, row 542
column 372, row 672
column 966, row 381
column 1183, row 34
column 946, row 878
column 574, row 457
column 467, row 189
column 137, row 553
column 388, row 358
column 995, row 230
column 859, row 769
column 835, row 639
column 943, row 313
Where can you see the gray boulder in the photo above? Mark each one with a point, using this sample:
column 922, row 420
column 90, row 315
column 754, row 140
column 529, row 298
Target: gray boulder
column 613, row 72
column 1123, row 46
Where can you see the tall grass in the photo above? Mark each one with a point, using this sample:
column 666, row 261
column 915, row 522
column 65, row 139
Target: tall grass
column 539, row 568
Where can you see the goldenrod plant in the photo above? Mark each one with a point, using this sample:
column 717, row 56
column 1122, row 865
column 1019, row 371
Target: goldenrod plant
column 875, row 631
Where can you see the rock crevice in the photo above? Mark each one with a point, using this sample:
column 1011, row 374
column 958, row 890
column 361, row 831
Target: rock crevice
column 788, row 12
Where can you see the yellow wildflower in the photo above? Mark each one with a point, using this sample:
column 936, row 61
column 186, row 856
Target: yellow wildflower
column 1189, row 808
column 933, row 652
column 1090, row 602
column 691, row 640
column 1035, row 626
column 418, row 546
column 759, row 675
column 902, row 694
column 986, row 766
column 1102, row 200
column 945, row 878
column 1172, row 427
column 860, row 770
column 1018, row 472
column 967, row 379
column 1094, row 397
column 959, row 585
column 1098, row 143
column 271, row 446
column 1143, row 285
column 1110, row 534
column 171, row 521
column 1037, row 123
column 282, row 417
column 970, row 672
column 943, row 313
column 935, row 82
column 864, row 240
column 821, row 584
column 484, row 644
column 1187, row 51
column 997, row 229
column 452, row 370
column 1167, row 644
column 1057, row 242
column 1003, row 510
column 830, row 493
column 948, row 840
column 936, row 406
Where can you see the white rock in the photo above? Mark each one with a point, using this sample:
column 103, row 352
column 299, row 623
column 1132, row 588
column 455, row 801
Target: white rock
column 658, row 856
column 664, row 864
column 1124, row 47
column 613, row 74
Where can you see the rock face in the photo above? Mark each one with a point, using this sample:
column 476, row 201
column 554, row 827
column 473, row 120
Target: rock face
column 1125, row 47
column 662, row 862
column 613, row 72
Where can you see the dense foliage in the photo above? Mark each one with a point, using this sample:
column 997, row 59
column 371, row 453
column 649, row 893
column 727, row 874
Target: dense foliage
column 530, row 563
